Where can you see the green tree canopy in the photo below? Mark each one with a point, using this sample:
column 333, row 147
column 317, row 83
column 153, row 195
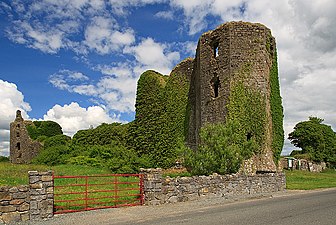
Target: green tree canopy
column 104, row 134
column 44, row 128
column 316, row 139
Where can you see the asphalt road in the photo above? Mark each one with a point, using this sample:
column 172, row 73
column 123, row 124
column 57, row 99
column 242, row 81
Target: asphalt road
column 294, row 208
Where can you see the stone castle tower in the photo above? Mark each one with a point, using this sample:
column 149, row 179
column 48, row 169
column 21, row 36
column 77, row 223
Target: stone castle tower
column 221, row 56
column 22, row 148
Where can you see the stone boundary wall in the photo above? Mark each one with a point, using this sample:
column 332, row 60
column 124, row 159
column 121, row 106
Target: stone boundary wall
column 159, row 190
column 28, row 202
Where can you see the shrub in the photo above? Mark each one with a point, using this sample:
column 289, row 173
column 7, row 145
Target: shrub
column 57, row 140
column 222, row 150
column 4, row 159
column 85, row 161
column 52, row 156
column 44, row 128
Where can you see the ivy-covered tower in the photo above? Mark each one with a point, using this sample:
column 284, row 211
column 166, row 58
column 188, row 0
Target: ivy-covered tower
column 235, row 78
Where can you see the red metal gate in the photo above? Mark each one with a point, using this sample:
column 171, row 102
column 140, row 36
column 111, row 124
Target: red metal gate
column 81, row 193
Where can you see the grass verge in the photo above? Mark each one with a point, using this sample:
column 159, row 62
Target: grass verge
column 304, row 180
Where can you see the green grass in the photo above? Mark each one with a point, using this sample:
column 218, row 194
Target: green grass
column 17, row 174
column 303, row 180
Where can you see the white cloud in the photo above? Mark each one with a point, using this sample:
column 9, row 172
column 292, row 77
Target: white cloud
column 120, row 70
column 73, row 117
column 67, row 80
column 195, row 13
column 101, row 36
column 153, row 55
column 82, row 26
column 11, row 99
column 168, row 15
column 121, row 7
column 36, row 36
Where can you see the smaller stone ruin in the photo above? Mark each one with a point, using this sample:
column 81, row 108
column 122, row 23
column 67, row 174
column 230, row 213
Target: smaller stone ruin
column 22, row 148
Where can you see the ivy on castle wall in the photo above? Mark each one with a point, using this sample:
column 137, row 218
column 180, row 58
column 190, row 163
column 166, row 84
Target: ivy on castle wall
column 247, row 108
column 158, row 128
column 276, row 111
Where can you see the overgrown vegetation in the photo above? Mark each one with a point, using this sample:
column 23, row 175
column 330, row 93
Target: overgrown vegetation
column 317, row 140
column 158, row 129
column 222, row 150
column 276, row 111
column 114, row 155
column 4, row 159
column 43, row 129
column 104, row 134
column 247, row 110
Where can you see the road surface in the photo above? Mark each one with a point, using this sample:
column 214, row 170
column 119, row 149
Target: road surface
column 294, row 208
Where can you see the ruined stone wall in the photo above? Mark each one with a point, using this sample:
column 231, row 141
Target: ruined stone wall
column 22, row 148
column 184, row 68
column 28, row 202
column 159, row 190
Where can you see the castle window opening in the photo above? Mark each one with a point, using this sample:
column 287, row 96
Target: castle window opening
column 215, row 49
column 215, row 85
column 18, row 146
column 17, row 134
column 18, row 125
column 248, row 136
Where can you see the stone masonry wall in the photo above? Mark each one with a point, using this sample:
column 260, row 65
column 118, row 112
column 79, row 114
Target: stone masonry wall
column 28, row 202
column 159, row 190
column 14, row 204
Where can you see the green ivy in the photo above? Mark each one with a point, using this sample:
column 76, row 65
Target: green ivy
column 276, row 111
column 247, row 108
column 158, row 128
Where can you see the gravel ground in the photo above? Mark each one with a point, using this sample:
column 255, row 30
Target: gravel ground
column 134, row 215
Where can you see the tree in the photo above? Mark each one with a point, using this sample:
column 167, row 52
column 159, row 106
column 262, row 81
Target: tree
column 315, row 139
column 44, row 128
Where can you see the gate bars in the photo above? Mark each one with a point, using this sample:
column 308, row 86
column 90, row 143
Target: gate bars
column 82, row 193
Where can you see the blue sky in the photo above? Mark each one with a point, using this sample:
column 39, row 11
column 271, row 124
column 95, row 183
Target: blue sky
column 77, row 61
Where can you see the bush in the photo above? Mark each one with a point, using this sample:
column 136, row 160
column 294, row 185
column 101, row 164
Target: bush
column 104, row 134
column 4, row 159
column 57, row 140
column 221, row 150
column 85, row 161
column 44, row 128
column 52, row 156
